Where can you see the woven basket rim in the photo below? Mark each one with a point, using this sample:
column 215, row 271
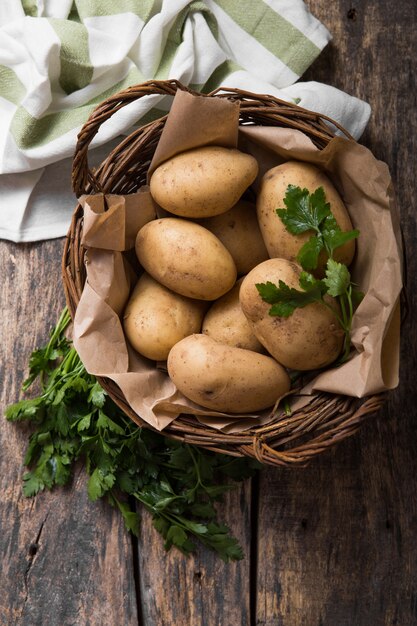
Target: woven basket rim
column 287, row 440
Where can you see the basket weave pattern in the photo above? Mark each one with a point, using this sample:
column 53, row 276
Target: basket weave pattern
column 290, row 439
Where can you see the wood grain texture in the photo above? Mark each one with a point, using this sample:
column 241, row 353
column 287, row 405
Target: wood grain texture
column 64, row 560
column 200, row 590
column 341, row 532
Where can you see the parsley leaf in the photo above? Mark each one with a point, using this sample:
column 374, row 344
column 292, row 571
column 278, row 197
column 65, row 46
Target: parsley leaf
column 337, row 278
column 304, row 211
column 219, row 539
column 24, row 409
column 175, row 536
column 286, row 299
column 310, row 212
column 32, row 484
column 308, row 255
column 308, row 282
column 97, row 395
column 131, row 518
column 334, row 237
column 99, row 482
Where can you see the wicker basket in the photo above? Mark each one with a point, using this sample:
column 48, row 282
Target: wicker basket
column 288, row 440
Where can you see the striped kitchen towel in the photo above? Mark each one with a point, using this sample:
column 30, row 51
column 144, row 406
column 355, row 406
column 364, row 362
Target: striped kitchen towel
column 60, row 58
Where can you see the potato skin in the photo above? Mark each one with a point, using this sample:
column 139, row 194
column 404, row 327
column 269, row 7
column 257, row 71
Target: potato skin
column 308, row 339
column 239, row 232
column 186, row 258
column 223, row 378
column 204, row 181
column 279, row 242
column 226, row 323
column 156, row 318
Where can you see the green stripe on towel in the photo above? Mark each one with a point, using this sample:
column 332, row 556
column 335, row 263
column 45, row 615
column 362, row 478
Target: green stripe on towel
column 170, row 50
column 11, row 88
column 30, row 8
column 76, row 68
column 219, row 74
column 92, row 8
column 175, row 36
column 273, row 32
column 30, row 132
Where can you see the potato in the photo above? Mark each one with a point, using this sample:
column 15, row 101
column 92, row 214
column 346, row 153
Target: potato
column 223, row 378
column 204, row 181
column 226, row 323
column 239, row 232
column 156, row 318
column 310, row 338
column 279, row 242
column 186, row 258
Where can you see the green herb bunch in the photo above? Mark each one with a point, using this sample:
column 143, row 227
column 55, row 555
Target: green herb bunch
column 74, row 418
column 307, row 212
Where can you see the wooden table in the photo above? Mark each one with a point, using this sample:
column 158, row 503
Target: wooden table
column 333, row 544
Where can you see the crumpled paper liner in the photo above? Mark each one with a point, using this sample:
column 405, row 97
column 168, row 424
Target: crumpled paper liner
column 210, row 122
column 111, row 224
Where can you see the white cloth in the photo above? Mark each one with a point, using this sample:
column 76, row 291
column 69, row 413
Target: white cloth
column 59, row 59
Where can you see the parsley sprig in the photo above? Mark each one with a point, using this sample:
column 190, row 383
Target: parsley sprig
column 310, row 212
column 74, row 418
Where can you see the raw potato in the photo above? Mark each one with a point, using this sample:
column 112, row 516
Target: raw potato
column 186, row 258
column 308, row 339
column 279, row 242
column 155, row 318
column 239, row 232
column 226, row 323
column 223, row 378
column 204, row 181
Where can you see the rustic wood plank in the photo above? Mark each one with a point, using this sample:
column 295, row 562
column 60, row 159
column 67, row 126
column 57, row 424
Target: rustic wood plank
column 64, row 560
column 199, row 590
column 339, row 536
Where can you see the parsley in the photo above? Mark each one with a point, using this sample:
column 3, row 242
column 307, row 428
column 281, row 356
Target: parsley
column 339, row 286
column 310, row 212
column 74, row 418
column 307, row 212
column 337, row 278
column 286, row 299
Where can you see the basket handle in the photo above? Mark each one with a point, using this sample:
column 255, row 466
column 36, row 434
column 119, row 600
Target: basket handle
column 83, row 178
column 82, row 175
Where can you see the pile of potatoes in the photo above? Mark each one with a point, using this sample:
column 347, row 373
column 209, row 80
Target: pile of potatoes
column 196, row 304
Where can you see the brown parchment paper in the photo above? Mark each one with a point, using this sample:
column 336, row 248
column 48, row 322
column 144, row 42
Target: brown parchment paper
column 111, row 224
column 214, row 122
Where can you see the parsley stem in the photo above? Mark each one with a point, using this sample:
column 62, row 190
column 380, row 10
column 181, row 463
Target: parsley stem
column 349, row 298
column 63, row 321
column 347, row 311
column 344, row 314
column 71, row 361
column 68, row 368
column 197, row 467
column 344, row 321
